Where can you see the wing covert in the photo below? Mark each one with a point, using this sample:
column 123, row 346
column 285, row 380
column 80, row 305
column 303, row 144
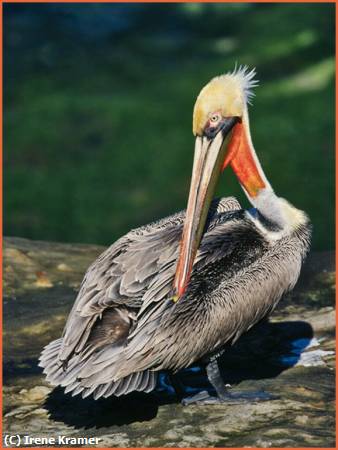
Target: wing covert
column 134, row 273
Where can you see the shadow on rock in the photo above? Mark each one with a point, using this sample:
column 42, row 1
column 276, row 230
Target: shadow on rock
column 264, row 352
column 90, row 413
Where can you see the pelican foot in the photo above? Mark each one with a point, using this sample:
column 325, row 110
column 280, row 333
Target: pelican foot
column 204, row 398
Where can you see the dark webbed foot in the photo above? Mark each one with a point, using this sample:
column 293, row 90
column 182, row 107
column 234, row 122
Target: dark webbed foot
column 223, row 394
column 205, row 398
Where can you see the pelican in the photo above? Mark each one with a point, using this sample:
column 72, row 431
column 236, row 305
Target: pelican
column 174, row 292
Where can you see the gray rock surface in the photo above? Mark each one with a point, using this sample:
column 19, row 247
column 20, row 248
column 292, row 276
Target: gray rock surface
column 291, row 357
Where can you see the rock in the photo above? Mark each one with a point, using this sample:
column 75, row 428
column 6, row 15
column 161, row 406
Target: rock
column 292, row 357
column 64, row 267
column 36, row 394
column 42, row 280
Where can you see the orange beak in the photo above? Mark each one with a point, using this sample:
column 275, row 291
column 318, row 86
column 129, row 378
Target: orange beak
column 211, row 157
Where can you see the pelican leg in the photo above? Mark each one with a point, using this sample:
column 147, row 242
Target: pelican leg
column 215, row 379
column 223, row 393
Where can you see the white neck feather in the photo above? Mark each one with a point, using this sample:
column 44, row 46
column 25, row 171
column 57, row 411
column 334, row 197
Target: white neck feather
column 279, row 212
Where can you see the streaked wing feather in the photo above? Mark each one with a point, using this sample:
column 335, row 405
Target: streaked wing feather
column 135, row 271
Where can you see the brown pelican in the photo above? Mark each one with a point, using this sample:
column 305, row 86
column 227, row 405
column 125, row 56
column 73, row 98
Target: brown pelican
column 174, row 292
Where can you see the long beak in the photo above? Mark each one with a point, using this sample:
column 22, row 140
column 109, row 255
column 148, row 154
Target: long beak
column 211, row 157
column 208, row 162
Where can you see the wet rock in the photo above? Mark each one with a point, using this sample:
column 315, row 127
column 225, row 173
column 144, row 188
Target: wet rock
column 291, row 357
column 35, row 395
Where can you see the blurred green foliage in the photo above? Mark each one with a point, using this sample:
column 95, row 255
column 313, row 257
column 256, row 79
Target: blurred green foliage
column 98, row 106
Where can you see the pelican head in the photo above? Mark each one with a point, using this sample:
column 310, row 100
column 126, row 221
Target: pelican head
column 221, row 128
column 223, row 97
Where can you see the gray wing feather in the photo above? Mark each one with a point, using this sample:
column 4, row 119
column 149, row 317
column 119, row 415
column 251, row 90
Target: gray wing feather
column 140, row 381
column 135, row 271
column 133, row 277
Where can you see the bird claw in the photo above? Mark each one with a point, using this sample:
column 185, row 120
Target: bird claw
column 199, row 398
column 204, row 398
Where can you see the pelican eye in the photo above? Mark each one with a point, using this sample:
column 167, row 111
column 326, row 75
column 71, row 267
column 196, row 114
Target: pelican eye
column 213, row 125
column 214, row 118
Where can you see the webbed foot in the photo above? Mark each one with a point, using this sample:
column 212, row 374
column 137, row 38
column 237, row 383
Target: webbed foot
column 205, row 398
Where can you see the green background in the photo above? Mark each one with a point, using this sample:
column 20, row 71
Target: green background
column 98, row 108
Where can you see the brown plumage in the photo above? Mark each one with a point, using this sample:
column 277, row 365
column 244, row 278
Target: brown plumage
column 124, row 326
